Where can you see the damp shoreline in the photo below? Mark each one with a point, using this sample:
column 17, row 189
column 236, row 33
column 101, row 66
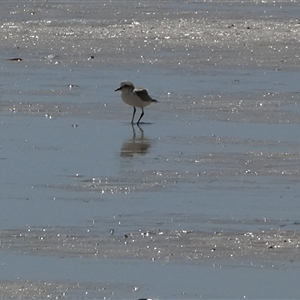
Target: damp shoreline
column 204, row 191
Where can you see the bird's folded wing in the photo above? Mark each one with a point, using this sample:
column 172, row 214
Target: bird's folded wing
column 142, row 94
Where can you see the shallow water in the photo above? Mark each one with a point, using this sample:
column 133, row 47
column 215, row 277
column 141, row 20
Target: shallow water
column 135, row 280
column 92, row 207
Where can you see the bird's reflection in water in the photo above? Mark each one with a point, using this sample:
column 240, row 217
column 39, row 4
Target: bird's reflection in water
column 137, row 145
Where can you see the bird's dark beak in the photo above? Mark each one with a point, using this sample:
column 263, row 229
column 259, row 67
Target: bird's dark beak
column 118, row 89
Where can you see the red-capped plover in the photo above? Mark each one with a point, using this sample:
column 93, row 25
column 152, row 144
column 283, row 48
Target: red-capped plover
column 136, row 97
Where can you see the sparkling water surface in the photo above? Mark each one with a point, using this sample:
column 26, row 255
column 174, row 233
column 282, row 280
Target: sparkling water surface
column 200, row 201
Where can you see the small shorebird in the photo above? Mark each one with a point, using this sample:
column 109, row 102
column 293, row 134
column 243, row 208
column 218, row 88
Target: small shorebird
column 135, row 97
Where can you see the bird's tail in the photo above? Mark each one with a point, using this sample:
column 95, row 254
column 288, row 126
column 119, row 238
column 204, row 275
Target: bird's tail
column 153, row 100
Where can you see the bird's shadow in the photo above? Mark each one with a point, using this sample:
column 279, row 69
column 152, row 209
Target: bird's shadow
column 142, row 123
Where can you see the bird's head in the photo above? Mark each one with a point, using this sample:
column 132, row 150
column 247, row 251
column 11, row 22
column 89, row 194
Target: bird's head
column 125, row 85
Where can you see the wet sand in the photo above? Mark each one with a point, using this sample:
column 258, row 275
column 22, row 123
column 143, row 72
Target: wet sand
column 202, row 197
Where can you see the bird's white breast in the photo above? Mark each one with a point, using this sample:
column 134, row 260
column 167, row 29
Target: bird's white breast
column 132, row 99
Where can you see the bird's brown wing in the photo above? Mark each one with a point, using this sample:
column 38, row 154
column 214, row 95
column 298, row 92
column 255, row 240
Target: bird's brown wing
column 143, row 94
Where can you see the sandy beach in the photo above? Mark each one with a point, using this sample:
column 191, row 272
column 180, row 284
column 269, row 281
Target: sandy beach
column 199, row 201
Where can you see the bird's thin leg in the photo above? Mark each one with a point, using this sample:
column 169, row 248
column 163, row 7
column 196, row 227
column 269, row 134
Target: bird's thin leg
column 134, row 110
column 140, row 116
